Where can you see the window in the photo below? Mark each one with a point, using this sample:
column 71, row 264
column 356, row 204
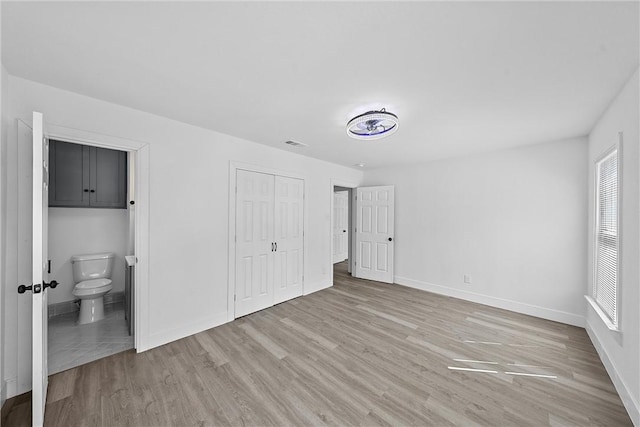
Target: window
column 607, row 236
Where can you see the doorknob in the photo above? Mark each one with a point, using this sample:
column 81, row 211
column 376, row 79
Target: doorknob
column 51, row 284
column 344, row 231
column 390, row 239
column 35, row 288
column 22, row 288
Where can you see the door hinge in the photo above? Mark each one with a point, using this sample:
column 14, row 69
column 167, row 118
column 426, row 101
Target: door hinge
column 235, row 297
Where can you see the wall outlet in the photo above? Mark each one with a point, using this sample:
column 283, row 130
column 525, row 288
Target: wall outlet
column 467, row 278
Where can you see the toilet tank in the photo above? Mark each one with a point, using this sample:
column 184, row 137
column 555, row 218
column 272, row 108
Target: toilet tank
column 92, row 266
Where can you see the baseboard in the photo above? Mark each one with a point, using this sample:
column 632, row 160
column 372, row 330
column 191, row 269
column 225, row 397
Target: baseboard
column 518, row 307
column 10, row 389
column 170, row 335
column 72, row 306
column 315, row 287
column 633, row 407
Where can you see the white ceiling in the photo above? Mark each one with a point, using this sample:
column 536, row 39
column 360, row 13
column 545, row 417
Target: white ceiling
column 462, row 77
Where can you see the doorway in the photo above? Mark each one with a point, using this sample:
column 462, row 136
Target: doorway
column 91, row 224
column 342, row 229
column 31, row 145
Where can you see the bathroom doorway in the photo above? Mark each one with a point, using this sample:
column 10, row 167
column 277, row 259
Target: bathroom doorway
column 91, row 226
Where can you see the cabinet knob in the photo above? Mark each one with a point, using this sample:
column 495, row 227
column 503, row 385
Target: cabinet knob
column 86, row 190
column 93, row 191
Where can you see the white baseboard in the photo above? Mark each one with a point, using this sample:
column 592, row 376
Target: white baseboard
column 170, row 335
column 633, row 408
column 310, row 288
column 518, row 307
column 10, row 389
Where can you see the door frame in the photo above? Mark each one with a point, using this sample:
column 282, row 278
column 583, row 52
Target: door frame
column 141, row 239
column 231, row 251
column 352, row 186
column 333, row 216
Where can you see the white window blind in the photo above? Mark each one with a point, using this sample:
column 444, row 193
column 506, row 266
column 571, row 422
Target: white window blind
column 605, row 289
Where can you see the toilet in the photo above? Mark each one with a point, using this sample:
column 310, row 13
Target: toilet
column 92, row 273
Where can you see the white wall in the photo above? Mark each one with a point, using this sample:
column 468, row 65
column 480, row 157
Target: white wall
column 3, row 210
column 514, row 220
column 75, row 231
column 189, row 195
column 620, row 352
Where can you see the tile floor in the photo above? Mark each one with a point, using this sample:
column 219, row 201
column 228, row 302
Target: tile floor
column 72, row 345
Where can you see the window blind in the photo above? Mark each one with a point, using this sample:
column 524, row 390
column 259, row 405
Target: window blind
column 606, row 251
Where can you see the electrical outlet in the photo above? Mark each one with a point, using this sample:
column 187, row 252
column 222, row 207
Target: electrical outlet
column 467, row 278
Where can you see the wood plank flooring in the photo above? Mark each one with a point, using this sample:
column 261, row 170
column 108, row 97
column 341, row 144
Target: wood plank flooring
column 360, row 353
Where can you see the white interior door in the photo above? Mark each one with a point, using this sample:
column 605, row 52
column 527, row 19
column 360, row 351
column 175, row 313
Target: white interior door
column 374, row 233
column 39, row 268
column 288, row 259
column 254, row 241
column 340, row 226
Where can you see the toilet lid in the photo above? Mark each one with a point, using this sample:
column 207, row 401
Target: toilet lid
column 93, row 283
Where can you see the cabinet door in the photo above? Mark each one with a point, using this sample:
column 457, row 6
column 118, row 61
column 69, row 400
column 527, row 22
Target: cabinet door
column 108, row 186
column 69, row 174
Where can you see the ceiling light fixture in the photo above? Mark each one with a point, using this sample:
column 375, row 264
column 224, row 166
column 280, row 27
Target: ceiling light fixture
column 372, row 125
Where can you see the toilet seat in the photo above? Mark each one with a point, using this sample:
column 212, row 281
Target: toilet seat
column 92, row 287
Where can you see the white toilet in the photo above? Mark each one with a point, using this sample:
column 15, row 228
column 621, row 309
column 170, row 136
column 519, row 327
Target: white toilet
column 92, row 276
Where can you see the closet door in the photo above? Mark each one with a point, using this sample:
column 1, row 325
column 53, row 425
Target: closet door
column 254, row 241
column 288, row 264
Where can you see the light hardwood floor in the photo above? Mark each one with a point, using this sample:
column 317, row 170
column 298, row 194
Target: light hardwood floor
column 360, row 353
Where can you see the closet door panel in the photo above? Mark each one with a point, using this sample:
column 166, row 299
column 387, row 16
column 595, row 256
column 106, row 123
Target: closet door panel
column 254, row 238
column 288, row 268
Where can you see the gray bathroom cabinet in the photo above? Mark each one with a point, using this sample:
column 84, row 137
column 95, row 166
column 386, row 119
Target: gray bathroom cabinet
column 84, row 176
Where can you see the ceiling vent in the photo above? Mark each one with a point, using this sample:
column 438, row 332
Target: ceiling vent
column 295, row 143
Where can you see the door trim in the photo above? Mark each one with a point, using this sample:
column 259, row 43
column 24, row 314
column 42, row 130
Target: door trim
column 333, row 183
column 142, row 184
column 231, row 248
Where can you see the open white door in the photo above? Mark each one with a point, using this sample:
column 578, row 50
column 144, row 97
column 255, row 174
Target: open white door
column 39, row 268
column 374, row 233
column 340, row 226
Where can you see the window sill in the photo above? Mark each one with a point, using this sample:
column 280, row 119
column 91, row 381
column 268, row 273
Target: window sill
column 601, row 314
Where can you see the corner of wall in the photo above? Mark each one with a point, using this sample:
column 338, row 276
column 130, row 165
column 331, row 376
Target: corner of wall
column 3, row 204
column 632, row 406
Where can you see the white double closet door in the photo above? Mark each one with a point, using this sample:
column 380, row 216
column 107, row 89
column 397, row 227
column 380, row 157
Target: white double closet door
column 269, row 240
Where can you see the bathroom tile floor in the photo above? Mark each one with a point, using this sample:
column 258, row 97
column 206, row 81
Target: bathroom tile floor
column 72, row 345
